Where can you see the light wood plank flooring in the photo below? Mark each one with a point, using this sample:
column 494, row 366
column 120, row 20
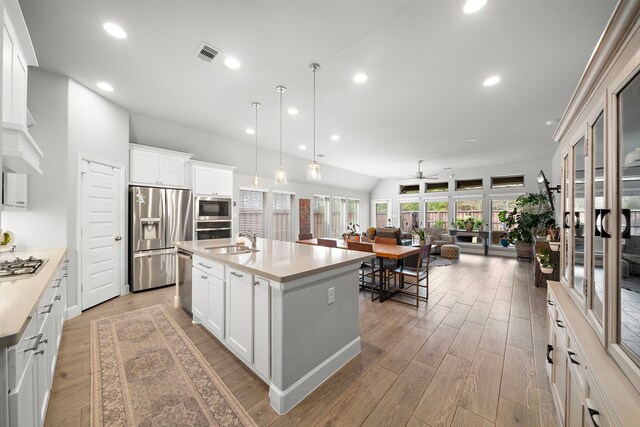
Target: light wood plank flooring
column 472, row 356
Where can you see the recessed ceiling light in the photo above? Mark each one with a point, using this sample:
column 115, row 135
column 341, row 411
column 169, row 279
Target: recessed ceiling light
column 250, row 131
column 360, row 78
column 552, row 122
column 114, row 30
column 493, row 80
column 302, row 147
column 105, row 86
column 470, row 140
column 472, row 6
column 232, row 63
column 292, row 111
column 335, row 137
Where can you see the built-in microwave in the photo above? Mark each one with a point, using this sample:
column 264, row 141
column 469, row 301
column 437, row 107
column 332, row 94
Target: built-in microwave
column 212, row 208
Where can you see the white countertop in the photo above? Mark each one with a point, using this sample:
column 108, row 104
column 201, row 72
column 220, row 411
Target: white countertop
column 19, row 298
column 277, row 260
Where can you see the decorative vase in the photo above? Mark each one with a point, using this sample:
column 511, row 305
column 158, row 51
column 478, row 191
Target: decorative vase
column 524, row 251
column 504, row 243
column 546, row 270
column 468, row 226
column 423, row 242
column 555, row 246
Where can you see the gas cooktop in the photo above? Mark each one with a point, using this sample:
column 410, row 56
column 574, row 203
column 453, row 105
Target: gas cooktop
column 20, row 268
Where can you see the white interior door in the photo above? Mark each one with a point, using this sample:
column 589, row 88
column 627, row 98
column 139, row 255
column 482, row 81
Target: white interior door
column 101, row 241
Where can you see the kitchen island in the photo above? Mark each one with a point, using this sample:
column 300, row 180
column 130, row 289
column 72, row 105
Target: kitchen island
column 289, row 311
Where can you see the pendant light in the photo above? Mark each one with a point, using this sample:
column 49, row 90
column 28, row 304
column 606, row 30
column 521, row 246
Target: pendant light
column 256, row 181
column 281, row 174
column 313, row 171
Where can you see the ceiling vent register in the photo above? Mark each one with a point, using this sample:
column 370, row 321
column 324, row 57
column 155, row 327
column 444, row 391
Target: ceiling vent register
column 207, row 53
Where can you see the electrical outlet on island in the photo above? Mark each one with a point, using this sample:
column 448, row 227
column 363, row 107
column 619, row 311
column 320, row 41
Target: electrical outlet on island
column 332, row 295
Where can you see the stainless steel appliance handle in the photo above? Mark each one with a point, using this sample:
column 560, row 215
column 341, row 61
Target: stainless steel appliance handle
column 213, row 229
column 153, row 253
column 185, row 255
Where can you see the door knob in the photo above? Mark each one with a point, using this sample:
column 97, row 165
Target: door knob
column 118, row 238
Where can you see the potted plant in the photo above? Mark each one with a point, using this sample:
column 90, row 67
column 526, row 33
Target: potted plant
column 553, row 236
column 530, row 211
column 421, row 235
column 351, row 235
column 371, row 232
column 544, row 258
column 439, row 223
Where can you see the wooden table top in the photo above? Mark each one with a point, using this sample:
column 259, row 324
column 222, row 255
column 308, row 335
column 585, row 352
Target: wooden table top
column 381, row 250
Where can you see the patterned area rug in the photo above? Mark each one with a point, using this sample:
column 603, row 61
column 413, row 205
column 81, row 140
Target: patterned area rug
column 440, row 262
column 146, row 372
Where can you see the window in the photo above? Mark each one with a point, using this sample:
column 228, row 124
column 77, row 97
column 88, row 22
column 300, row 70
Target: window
column 469, row 184
column 251, row 212
column 353, row 211
column 409, row 211
column 282, row 221
column 497, row 227
column 338, row 216
column 468, row 207
column 382, row 212
column 436, row 213
column 321, row 216
column 507, row 181
column 436, row 187
column 409, row 189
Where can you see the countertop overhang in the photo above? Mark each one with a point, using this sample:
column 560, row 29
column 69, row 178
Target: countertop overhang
column 277, row 260
column 19, row 298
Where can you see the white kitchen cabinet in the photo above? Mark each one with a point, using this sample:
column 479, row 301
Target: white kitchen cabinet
column 209, row 179
column 216, row 307
column 23, row 398
column 20, row 153
column 199, row 295
column 14, row 190
column 156, row 166
column 208, row 295
column 262, row 326
column 240, row 312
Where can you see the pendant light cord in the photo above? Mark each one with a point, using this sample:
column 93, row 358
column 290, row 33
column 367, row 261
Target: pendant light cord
column 314, row 113
column 281, row 128
column 256, row 140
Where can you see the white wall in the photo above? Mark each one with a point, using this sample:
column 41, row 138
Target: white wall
column 44, row 224
column 389, row 188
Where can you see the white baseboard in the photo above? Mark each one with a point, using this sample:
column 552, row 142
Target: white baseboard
column 73, row 311
column 284, row 401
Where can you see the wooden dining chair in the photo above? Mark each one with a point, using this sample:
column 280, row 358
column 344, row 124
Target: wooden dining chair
column 330, row 243
column 305, row 236
column 386, row 241
column 367, row 269
column 417, row 269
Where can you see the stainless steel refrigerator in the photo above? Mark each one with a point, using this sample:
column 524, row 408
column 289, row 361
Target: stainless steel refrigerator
column 158, row 217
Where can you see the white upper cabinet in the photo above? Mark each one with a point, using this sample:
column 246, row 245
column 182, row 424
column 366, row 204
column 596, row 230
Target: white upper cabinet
column 20, row 152
column 14, row 190
column 210, row 179
column 156, row 166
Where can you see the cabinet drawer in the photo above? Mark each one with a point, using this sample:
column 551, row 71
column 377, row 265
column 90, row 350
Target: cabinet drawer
column 210, row 267
column 20, row 353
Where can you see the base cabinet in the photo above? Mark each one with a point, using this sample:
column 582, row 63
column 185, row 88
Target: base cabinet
column 235, row 306
column 33, row 360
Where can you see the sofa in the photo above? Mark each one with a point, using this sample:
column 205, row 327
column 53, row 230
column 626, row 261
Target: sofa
column 401, row 237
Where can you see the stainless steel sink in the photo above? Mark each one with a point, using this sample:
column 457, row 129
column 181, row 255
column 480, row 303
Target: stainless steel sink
column 232, row 249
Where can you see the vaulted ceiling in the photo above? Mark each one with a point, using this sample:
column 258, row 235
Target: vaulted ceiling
column 425, row 61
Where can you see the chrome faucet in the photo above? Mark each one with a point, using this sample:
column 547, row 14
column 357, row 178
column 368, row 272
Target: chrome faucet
column 252, row 238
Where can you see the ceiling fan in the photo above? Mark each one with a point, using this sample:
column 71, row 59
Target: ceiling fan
column 420, row 175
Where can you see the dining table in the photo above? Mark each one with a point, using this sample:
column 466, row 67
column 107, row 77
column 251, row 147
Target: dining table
column 382, row 251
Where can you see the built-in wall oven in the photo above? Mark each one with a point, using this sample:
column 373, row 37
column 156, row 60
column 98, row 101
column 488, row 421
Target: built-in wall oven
column 213, row 230
column 212, row 208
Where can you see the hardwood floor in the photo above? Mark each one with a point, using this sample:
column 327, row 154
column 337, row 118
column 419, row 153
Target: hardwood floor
column 467, row 358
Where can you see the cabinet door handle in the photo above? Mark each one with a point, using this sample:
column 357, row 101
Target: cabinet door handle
column 233, row 273
column 256, row 283
column 48, row 309
column 58, row 285
column 626, row 233
column 564, row 220
column 559, row 323
column 39, row 352
column 204, row 265
column 205, row 277
column 549, row 350
column 35, row 346
column 601, row 232
column 574, row 361
column 592, row 414
column 550, row 302
column 58, row 297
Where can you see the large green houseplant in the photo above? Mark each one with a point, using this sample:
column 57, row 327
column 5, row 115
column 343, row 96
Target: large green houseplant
column 531, row 213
